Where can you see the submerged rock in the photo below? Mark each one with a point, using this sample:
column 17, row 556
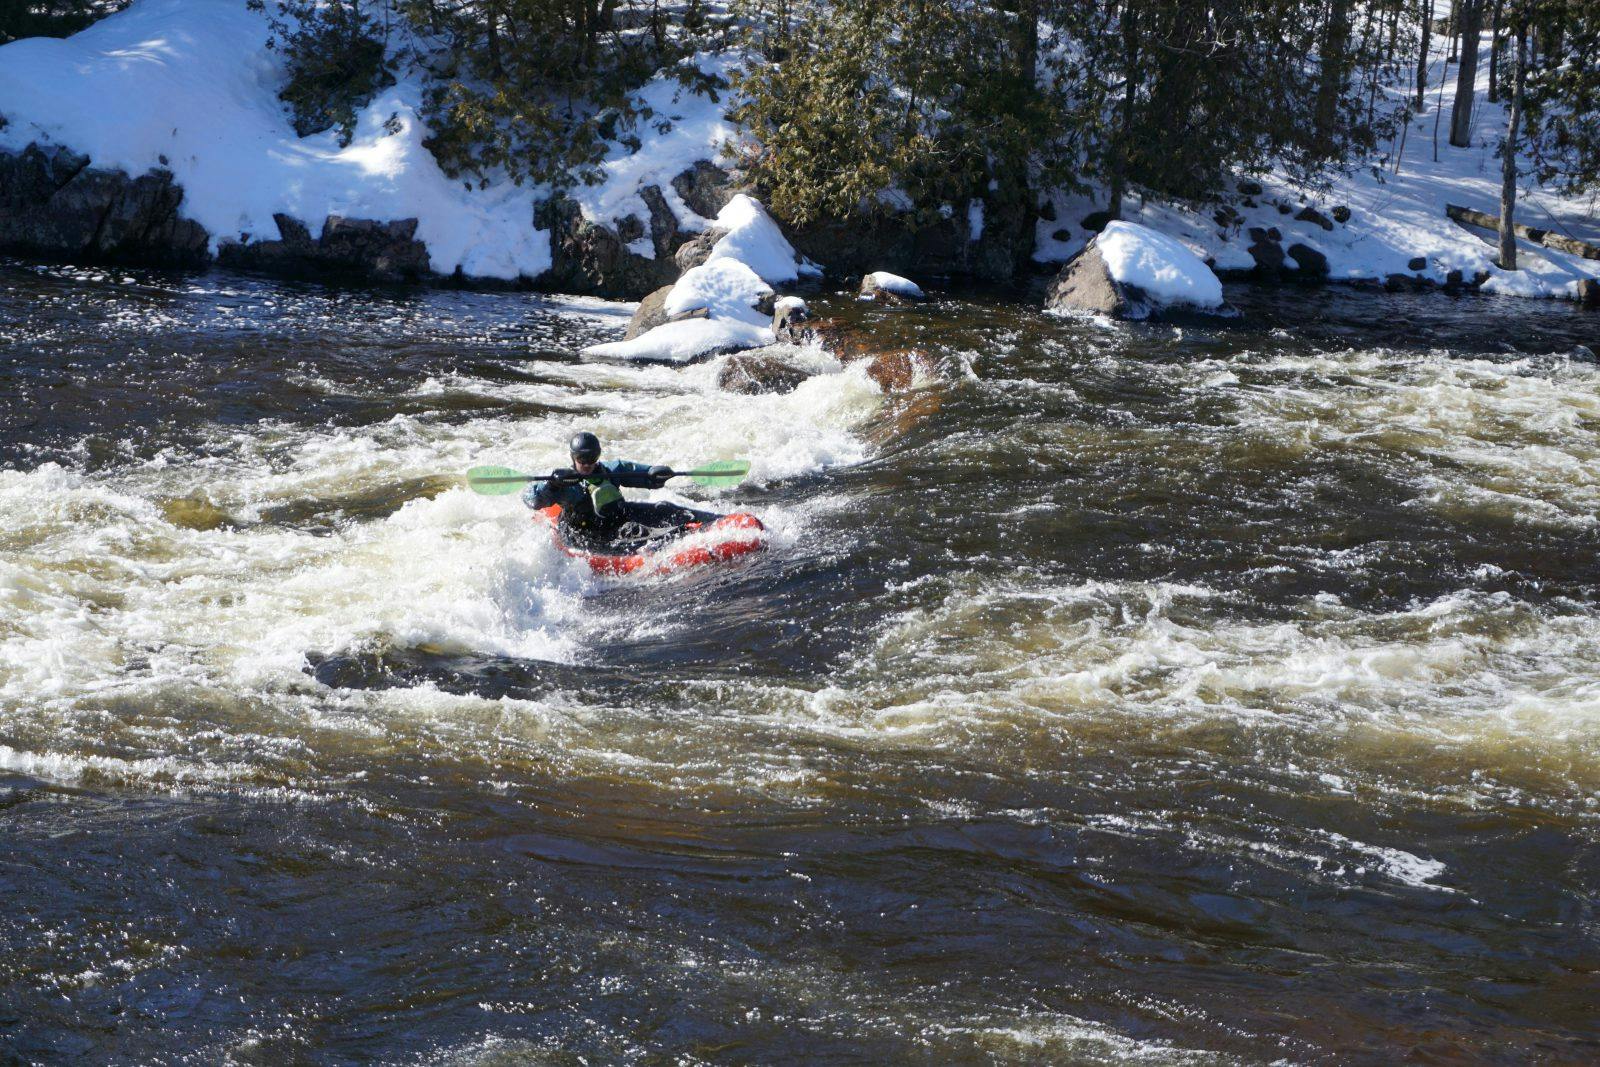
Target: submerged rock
column 752, row 372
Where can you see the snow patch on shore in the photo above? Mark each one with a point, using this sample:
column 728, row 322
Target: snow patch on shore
column 1397, row 212
column 190, row 85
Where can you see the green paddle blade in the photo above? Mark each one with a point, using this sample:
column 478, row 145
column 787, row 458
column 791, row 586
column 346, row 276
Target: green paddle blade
column 496, row 481
column 722, row 473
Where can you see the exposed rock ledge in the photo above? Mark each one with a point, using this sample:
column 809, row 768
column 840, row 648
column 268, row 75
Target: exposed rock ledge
column 55, row 205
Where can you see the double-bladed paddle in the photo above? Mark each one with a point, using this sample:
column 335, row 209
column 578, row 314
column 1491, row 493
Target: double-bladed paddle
column 499, row 481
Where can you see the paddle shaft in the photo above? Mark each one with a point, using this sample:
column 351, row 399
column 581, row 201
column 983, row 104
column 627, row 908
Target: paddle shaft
column 500, row 480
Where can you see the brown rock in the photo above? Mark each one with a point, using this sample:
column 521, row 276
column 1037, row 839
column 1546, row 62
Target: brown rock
column 751, row 373
column 1085, row 284
column 650, row 314
column 896, row 370
column 1589, row 292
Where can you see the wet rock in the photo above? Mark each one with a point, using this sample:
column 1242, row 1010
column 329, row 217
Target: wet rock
column 1061, row 235
column 788, row 319
column 1589, row 292
column 53, row 203
column 1312, row 215
column 1341, row 214
column 1249, row 187
column 1226, row 217
column 1047, row 211
column 650, row 314
column 382, row 250
column 1417, row 263
column 1309, row 261
column 1267, row 252
column 705, row 187
column 1285, row 209
column 752, row 373
column 897, row 370
column 695, row 251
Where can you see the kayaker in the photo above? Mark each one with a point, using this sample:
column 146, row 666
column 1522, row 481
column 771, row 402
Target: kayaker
column 593, row 511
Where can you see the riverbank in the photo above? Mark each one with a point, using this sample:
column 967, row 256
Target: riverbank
column 156, row 136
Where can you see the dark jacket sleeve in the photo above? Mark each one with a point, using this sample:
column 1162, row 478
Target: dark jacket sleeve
column 541, row 495
column 628, row 475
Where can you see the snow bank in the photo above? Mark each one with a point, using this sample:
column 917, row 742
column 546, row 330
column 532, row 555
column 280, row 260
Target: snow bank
column 1164, row 268
column 891, row 283
column 1397, row 211
column 755, row 240
column 190, row 85
column 695, row 128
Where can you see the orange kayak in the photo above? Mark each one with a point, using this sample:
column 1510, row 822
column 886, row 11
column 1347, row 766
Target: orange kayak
column 724, row 538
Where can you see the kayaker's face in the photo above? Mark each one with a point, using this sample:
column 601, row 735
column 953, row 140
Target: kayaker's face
column 584, row 467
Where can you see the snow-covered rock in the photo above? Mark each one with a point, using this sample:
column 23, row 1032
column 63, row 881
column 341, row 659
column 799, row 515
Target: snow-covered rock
column 686, row 339
column 753, row 238
column 724, row 288
column 881, row 285
column 726, row 303
column 1133, row 272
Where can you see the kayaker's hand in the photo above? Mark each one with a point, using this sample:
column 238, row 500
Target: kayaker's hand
column 564, row 476
column 659, row 475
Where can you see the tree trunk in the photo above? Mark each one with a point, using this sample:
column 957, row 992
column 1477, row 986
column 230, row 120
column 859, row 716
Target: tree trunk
column 1508, row 170
column 1330, row 84
column 1466, row 74
column 1130, row 89
column 1495, row 28
column 1422, row 60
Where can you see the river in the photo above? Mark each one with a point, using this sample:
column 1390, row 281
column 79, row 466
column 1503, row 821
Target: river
column 1121, row 694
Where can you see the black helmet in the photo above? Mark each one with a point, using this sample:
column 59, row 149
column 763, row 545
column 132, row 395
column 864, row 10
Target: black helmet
column 584, row 446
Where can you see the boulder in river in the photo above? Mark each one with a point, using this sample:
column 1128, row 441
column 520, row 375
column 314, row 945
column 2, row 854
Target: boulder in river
column 892, row 289
column 755, row 372
column 1130, row 271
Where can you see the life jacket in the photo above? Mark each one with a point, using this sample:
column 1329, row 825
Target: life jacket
column 603, row 492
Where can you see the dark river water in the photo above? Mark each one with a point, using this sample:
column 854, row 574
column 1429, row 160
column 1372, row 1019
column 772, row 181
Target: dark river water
column 1120, row 694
